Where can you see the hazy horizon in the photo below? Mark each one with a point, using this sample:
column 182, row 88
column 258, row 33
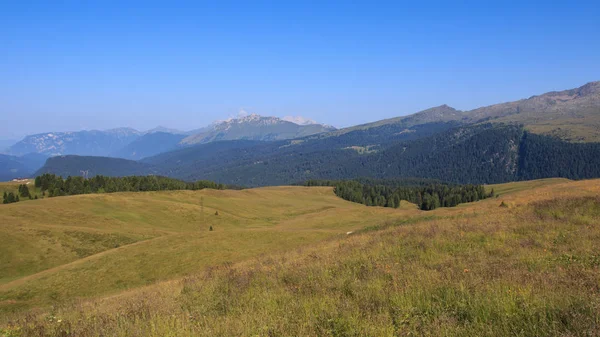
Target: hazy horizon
column 70, row 67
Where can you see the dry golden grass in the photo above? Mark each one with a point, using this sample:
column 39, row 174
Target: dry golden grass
column 11, row 186
column 530, row 269
column 61, row 248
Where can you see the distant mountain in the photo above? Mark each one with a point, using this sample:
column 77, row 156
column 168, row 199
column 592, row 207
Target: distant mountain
column 149, row 144
column 6, row 143
column 483, row 153
column 439, row 114
column 133, row 144
column 299, row 120
column 98, row 143
column 538, row 137
column 74, row 165
column 20, row 167
column 166, row 130
column 254, row 127
column 572, row 115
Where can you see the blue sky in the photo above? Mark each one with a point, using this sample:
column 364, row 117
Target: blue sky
column 69, row 65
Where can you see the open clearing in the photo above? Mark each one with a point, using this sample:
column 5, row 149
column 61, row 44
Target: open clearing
column 279, row 262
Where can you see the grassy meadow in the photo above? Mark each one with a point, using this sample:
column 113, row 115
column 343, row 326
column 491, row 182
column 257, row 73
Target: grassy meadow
column 10, row 186
column 279, row 263
column 91, row 245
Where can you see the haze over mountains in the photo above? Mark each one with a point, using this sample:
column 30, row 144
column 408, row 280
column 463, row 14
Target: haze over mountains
column 491, row 142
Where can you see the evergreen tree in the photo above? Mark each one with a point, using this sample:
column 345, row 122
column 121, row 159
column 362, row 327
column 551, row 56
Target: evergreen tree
column 24, row 191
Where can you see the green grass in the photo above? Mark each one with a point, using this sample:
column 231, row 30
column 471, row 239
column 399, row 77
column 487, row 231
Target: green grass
column 13, row 187
column 506, row 188
column 91, row 245
column 531, row 269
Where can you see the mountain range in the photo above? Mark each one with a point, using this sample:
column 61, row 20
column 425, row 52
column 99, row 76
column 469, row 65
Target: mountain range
column 497, row 143
column 132, row 144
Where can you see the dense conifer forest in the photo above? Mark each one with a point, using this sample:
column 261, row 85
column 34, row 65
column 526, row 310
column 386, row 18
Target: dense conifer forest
column 474, row 154
column 389, row 193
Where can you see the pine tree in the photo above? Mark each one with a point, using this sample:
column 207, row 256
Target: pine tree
column 24, row 191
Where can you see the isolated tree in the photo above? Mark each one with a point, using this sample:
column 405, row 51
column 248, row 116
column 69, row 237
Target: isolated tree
column 217, row 213
column 210, row 228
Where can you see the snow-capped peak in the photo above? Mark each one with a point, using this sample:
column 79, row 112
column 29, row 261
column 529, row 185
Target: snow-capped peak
column 245, row 117
column 299, row 120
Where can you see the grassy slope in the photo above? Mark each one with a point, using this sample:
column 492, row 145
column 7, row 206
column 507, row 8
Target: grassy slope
column 530, row 269
column 582, row 128
column 512, row 187
column 89, row 245
column 10, row 186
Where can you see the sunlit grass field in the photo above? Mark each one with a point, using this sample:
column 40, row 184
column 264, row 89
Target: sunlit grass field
column 91, row 245
column 10, row 186
column 279, row 262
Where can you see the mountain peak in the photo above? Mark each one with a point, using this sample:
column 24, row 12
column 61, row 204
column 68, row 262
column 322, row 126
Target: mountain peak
column 589, row 89
column 442, row 113
column 123, row 130
column 254, row 127
column 299, row 120
column 165, row 130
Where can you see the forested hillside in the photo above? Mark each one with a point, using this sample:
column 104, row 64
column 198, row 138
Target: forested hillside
column 484, row 153
column 467, row 155
column 389, row 193
column 89, row 166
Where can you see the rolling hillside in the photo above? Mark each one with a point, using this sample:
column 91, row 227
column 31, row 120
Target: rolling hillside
column 482, row 153
column 572, row 115
column 494, row 144
column 473, row 154
column 90, row 245
column 279, row 261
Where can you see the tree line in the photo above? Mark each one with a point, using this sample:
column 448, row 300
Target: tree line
column 54, row 185
column 10, row 197
column 389, row 194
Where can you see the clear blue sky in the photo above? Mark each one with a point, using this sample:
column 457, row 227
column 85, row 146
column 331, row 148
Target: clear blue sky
column 68, row 66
